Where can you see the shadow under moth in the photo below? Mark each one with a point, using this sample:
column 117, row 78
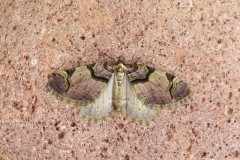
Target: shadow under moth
column 137, row 91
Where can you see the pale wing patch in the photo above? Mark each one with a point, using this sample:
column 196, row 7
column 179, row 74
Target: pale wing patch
column 101, row 107
column 134, row 108
column 79, row 75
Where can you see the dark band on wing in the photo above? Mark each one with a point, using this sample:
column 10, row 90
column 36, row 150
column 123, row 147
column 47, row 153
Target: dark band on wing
column 70, row 72
column 96, row 77
column 178, row 90
column 170, row 77
column 146, row 79
column 59, row 83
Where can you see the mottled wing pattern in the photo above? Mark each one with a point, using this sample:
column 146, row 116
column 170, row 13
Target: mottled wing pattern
column 134, row 108
column 101, row 108
column 158, row 89
column 89, row 87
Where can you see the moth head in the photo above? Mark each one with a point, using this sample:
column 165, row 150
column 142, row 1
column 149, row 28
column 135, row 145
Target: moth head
column 120, row 68
column 121, row 59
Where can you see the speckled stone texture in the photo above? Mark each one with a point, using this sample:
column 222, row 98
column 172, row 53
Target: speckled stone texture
column 197, row 40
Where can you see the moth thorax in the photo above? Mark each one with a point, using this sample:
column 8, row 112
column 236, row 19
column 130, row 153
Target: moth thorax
column 120, row 71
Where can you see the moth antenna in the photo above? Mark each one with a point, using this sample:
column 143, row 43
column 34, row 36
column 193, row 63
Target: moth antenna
column 149, row 60
column 135, row 59
column 121, row 59
column 114, row 60
column 104, row 54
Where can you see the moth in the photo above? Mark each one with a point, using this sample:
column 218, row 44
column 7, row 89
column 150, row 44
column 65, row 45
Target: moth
column 137, row 91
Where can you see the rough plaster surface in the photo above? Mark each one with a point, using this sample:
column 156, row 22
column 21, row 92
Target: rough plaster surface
column 197, row 40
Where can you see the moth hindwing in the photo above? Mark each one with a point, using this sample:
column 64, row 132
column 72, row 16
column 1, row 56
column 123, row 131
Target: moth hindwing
column 138, row 91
